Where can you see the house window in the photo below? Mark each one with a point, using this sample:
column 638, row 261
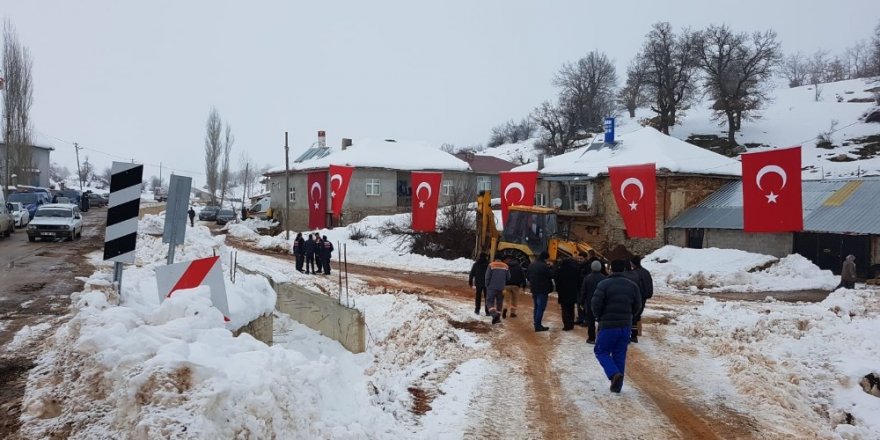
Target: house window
column 447, row 187
column 484, row 183
column 582, row 196
column 539, row 199
column 372, row 187
column 291, row 194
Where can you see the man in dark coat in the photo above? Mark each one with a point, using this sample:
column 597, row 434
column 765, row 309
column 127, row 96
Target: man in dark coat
column 309, row 251
column 326, row 254
column 615, row 303
column 848, row 273
column 244, row 213
column 568, row 283
column 588, row 288
column 299, row 251
column 192, row 216
column 514, row 285
column 497, row 276
column 540, row 277
column 646, row 291
column 478, row 278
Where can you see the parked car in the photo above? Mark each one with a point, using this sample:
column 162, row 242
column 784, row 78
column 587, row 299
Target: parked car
column 209, row 213
column 20, row 214
column 55, row 220
column 30, row 200
column 97, row 200
column 7, row 224
column 225, row 216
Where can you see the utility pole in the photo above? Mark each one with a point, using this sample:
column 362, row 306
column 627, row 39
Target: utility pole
column 286, row 186
column 245, row 191
column 78, row 170
column 160, row 177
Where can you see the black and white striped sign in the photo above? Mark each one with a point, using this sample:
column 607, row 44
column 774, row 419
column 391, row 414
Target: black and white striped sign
column 120, row 237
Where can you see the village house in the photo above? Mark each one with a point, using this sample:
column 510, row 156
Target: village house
column 35, row 175
column 841, row 217
column 577, row 184
column 380, row 183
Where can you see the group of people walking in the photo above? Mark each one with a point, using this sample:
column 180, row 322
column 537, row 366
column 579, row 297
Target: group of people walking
column 588, row 296
column 312, row 254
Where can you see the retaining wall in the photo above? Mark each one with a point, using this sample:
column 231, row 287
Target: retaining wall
column 324, row 314
column 152, row 208
column 260, row 328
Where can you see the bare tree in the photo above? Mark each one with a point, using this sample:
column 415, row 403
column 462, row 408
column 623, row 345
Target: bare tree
column 817, row 71
column 511, row 132
column 875, row 50
column 671, row 68
column 58, row 173
column 213, row 150
column 86, row 171
column 737, row 67
column 248, row 174
column 859, row 59
column 632, row 95
column 228, row 141
column 155, row 183
column 794, row 69
column 587, row 90
column 17, row 99
column 105, row 176
column 447, row 148
column 558, row 128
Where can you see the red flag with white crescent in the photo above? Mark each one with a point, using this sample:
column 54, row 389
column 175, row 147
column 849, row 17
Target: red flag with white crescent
column 317, row 199
column 772, row 195
column 517, row 188
column 635, row 191
column 340, row 177
column 425, row 199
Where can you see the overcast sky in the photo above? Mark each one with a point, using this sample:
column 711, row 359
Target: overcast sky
column 137, row 79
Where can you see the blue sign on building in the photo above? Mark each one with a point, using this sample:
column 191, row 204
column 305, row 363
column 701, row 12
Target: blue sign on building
column 609, row 130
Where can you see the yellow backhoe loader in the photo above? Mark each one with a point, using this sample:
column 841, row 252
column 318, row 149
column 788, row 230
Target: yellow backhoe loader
column 529, row 230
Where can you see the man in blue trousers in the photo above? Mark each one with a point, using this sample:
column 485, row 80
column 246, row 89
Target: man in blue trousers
column 616, row 301
column 540, row 277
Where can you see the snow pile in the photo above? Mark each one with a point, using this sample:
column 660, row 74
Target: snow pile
column 26, row 336
column 239, row 230
column 397, row 155
column 152, row 224
column 799, row 364
column 518, row 153
column 731, row 270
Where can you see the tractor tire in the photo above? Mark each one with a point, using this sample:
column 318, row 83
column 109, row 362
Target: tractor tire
column 516, row 254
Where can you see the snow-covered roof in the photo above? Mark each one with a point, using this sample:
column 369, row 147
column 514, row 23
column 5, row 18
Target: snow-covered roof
column 396, row 155
column 641, row 146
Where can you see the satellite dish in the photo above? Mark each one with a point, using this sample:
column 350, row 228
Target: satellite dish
column 557, row 203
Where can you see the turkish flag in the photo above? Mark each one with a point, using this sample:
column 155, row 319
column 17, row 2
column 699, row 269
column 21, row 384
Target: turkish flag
column 772, row 196
column 635, row 191
column 340, row 177
column 317, row 200
column 517, row 188
column 425, row 198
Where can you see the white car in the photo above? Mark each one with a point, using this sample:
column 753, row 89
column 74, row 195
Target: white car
column 20, row 214
column 56, row 220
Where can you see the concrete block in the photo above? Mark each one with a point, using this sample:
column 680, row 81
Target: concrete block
column 324, row 314
column 260, row 328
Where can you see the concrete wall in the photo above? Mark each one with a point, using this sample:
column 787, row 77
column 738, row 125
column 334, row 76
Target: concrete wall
column 153, row 208
column 778, row 245
column 38, row 175
column 261, row 329
column 324, row 314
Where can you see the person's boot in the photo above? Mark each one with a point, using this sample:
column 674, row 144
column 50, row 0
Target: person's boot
column 477, row 311
column 634, row 336
column 504, row 313
column 616, row 383
column 496, row 319
column 513, row 313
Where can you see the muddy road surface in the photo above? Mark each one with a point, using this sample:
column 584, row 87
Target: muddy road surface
column 36, row 280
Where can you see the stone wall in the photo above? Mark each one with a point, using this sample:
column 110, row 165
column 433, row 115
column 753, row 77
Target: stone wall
column 778, row 245
column 260, row 328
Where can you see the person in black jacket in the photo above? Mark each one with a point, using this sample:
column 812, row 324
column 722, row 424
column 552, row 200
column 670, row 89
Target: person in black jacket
column 588, row 287
column 615, row 303
column 514, row 285
column 646, row 289
column 326, row 254
column 192, row 216
column 309, row 251
column 298, row 251
column 540, row 277
column 568, row 283
column 478, row 278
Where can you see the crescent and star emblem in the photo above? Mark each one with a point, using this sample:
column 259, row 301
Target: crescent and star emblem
column 638, row 184
column 517, row 186
column 315, row 186
column 332, row 178
column 771, row 169
column 427, row 186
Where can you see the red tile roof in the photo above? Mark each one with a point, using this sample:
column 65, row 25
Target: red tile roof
column 485, row 164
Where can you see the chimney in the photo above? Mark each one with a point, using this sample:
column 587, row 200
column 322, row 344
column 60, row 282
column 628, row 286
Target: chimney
column 540, row 162
column 346, row 142
column 322, row 139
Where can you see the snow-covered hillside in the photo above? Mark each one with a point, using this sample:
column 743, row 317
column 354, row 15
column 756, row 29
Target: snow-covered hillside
column 792, row 117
